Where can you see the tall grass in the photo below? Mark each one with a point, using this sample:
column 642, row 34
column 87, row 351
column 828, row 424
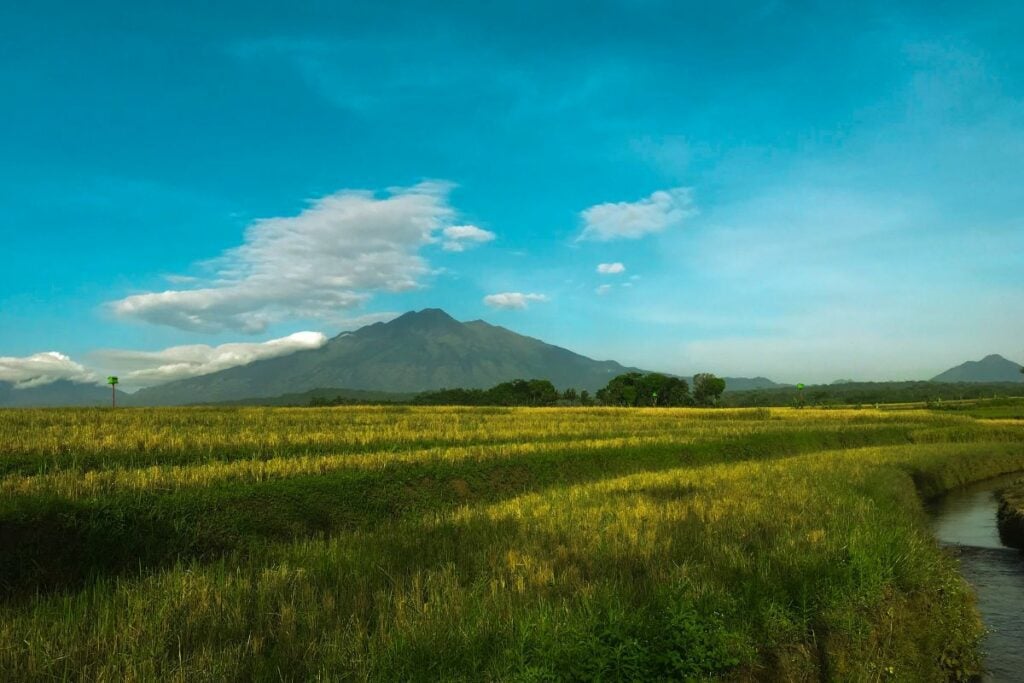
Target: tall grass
column 486, row 544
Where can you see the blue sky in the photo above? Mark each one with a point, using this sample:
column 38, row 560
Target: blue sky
column 799, row 190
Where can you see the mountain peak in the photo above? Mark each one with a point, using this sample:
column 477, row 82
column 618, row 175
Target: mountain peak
column 991, row 368
column 427, row 315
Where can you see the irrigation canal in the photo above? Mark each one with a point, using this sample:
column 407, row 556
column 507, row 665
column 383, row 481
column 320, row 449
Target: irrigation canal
column 966, row 520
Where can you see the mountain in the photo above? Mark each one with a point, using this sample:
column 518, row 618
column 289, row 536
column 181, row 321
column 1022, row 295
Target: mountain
column 60, row 393
column 415, row 352
column 993, row 368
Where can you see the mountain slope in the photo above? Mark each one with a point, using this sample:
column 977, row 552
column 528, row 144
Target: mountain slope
column 993, row 368
column 416, row 352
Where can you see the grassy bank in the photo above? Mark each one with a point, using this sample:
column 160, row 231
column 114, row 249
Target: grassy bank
column 1011, row 515
column 475, row 544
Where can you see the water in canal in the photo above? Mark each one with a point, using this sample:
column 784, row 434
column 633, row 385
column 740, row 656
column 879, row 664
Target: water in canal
column 967, row 519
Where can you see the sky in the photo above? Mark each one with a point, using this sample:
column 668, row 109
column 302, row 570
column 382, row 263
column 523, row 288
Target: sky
column 800, row 190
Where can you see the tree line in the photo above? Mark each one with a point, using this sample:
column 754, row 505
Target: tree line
column 869, row 393
column 633, row 389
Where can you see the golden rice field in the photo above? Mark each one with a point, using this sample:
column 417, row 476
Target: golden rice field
column 477, row 544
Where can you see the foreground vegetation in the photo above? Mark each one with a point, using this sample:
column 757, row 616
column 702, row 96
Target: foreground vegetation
column 485, row 543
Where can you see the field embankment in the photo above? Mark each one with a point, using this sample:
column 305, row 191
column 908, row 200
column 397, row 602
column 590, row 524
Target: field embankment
column 1011, row 515
column 475, row 544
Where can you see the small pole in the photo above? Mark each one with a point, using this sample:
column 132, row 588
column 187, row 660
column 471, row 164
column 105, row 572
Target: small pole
column 112, row 381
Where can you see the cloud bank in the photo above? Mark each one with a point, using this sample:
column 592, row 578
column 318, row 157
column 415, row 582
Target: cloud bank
column 513, row 300
column 43, row 368
column 330, row 257
column 633, row 220
column 142, row 368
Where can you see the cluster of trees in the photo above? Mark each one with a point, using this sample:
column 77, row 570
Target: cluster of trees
column 633, row 389
column 518, row 392
column 636, row 389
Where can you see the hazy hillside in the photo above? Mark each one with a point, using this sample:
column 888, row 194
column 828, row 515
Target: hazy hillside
column 61, row 393
column 747, row 383
column 993, row 368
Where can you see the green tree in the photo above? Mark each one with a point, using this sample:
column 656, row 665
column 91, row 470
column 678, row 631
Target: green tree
column 637, row 389
column 542, row 392
column 707, row 389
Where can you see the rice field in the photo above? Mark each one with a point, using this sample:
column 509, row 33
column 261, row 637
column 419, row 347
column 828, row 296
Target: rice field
column 404, row 543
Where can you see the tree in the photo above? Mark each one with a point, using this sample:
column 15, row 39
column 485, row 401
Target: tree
column 621, row 390
column 113, row 381
column 570, row 395
column 542, row 392
column 707, row 389
column 637, row 389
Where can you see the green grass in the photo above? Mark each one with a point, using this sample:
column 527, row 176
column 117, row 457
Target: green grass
column 485, row 544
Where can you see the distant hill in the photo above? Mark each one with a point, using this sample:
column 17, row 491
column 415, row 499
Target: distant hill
column 993, row 368
column 857, row 393
column 747, row 383
column 58, row 394
column 418, row 351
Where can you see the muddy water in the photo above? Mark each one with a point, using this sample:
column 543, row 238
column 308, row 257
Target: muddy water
column 966, row 519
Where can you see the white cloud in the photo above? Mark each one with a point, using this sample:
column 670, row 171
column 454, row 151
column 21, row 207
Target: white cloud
column 330, row 257
column 611, row 268
column 461, row 237
column 42, row 368
column 143, row 368
column 632, row 220
column 603, row 289
column 513, row 300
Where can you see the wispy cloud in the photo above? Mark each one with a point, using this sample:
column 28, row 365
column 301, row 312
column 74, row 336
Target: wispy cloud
column 461, row 237
column 143, row 368
column 611, row 268
column 43, row 368
column 330, row 257
column 632, row 220
column 513, row 300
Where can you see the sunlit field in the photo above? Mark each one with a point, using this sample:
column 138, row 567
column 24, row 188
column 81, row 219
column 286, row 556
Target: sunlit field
column 486, row 544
